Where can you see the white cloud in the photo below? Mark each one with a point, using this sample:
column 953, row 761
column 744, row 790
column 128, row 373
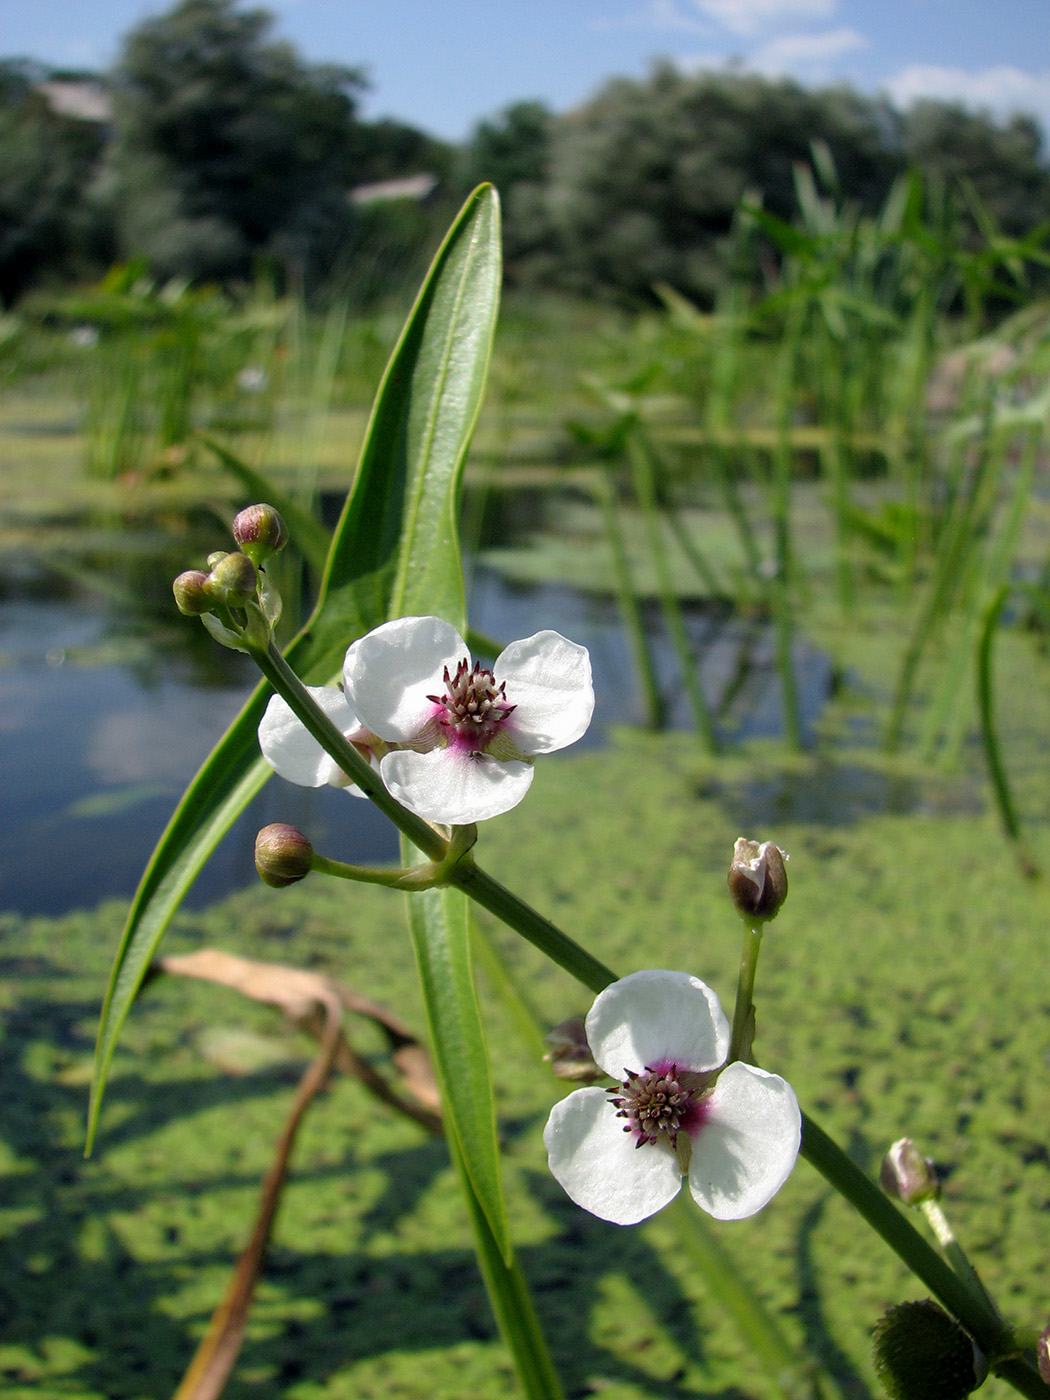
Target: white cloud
column 657, row 14
column 794, row 51
column 747, row 17
column 1002, row 90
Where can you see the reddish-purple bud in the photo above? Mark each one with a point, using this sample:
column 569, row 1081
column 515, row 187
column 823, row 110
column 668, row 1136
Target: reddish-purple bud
column 757, row 879
column 908, row 1175
column 1042, row 1354
column 190, row 595
column 283, row 855
column 260, row 532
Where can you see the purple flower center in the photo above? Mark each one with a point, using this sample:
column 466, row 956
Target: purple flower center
column 473, row 706
column 658, row 1103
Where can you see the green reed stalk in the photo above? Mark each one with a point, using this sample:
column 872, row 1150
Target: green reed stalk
column 780, row 586
column 640, row 455
column 653, row 708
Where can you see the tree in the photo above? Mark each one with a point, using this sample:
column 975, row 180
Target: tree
column 49, row 226
column 227, row 143
column 1002, row 165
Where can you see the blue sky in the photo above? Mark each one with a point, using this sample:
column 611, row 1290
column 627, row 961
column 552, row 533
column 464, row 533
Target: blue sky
column 443, row 64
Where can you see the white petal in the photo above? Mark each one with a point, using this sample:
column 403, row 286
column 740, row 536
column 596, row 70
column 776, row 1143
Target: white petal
column 290, row 749
column 745, row 1149
column 656, row 1018
column 549, row 680
column 449, row 786
column 598, row 1165
column 389, row 673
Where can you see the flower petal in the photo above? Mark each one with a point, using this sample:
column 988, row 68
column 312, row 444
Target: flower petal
column 389, row 673
column 598, row 1165
column 549, row 681
column 653, row 1018
column 747, row 1145
column 291, row 750
column 453, row 787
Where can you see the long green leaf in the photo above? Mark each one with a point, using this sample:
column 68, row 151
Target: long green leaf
column 439, row 923
column 392, row 547
column 511, row 1302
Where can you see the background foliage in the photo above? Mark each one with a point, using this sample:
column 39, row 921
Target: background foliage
column 226, row 147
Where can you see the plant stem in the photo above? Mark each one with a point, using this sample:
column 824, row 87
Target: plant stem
column 288, row 685
column 396, row 877
column 743, row 1013
column 954, row 1252
column 971, row 1306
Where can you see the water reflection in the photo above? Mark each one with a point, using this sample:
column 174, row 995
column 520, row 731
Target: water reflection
column 106, row 711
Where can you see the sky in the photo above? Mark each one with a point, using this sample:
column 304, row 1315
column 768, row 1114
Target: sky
column 443, row 65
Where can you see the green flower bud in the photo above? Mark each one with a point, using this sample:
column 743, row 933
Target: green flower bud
column 908, row 1175
column 191, row 596
column 216, row 557
column 757, row 879
column 233, row 580
column 260, row 532
column 283, row 855
column 921, row 1353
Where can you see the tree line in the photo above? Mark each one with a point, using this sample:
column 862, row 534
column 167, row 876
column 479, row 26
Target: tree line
column 222, row 149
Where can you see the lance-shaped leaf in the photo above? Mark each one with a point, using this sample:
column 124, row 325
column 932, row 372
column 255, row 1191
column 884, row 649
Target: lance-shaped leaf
column 439, row 923
column 396, row 540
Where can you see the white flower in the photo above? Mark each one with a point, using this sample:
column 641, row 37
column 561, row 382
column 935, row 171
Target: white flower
column 465, row 736
column 621, row 1153
column 292, row 751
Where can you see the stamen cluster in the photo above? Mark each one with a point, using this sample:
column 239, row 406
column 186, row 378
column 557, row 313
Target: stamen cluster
column 654, row 1102
column 475, row 706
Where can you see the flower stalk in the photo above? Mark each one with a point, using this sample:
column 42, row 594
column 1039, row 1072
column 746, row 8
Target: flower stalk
column 975, row 1312
column 743, row 1033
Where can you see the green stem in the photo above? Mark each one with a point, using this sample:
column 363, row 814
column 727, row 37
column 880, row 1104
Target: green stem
column 288, row 685
column 971, row 1307
column 415, row 877
column 638, row 451
column 975, row 1312
column 627, row 601
column 743, row 1013
column 509, row 1295
column 954, row 1252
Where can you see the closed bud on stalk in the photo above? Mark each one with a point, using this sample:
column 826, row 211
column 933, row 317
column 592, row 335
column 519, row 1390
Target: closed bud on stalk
column 921, row 1353
column 191, row 596
column 260, row 532
column 568, row 1053
column 1042, row 1354
column 757, row 879
column 283, row 855
column 233, row 580
column 908, row 1175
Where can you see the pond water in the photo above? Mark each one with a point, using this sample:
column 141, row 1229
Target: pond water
column 109, row 702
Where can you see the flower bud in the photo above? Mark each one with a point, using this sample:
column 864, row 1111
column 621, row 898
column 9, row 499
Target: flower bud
column 190, row 594
column 260, row 532
column 1042, row 1354
column 232, row 580
column 908, row 1175
column 757, row 879
column 283, row 855
column 569, row 1055
column 921, row 1353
